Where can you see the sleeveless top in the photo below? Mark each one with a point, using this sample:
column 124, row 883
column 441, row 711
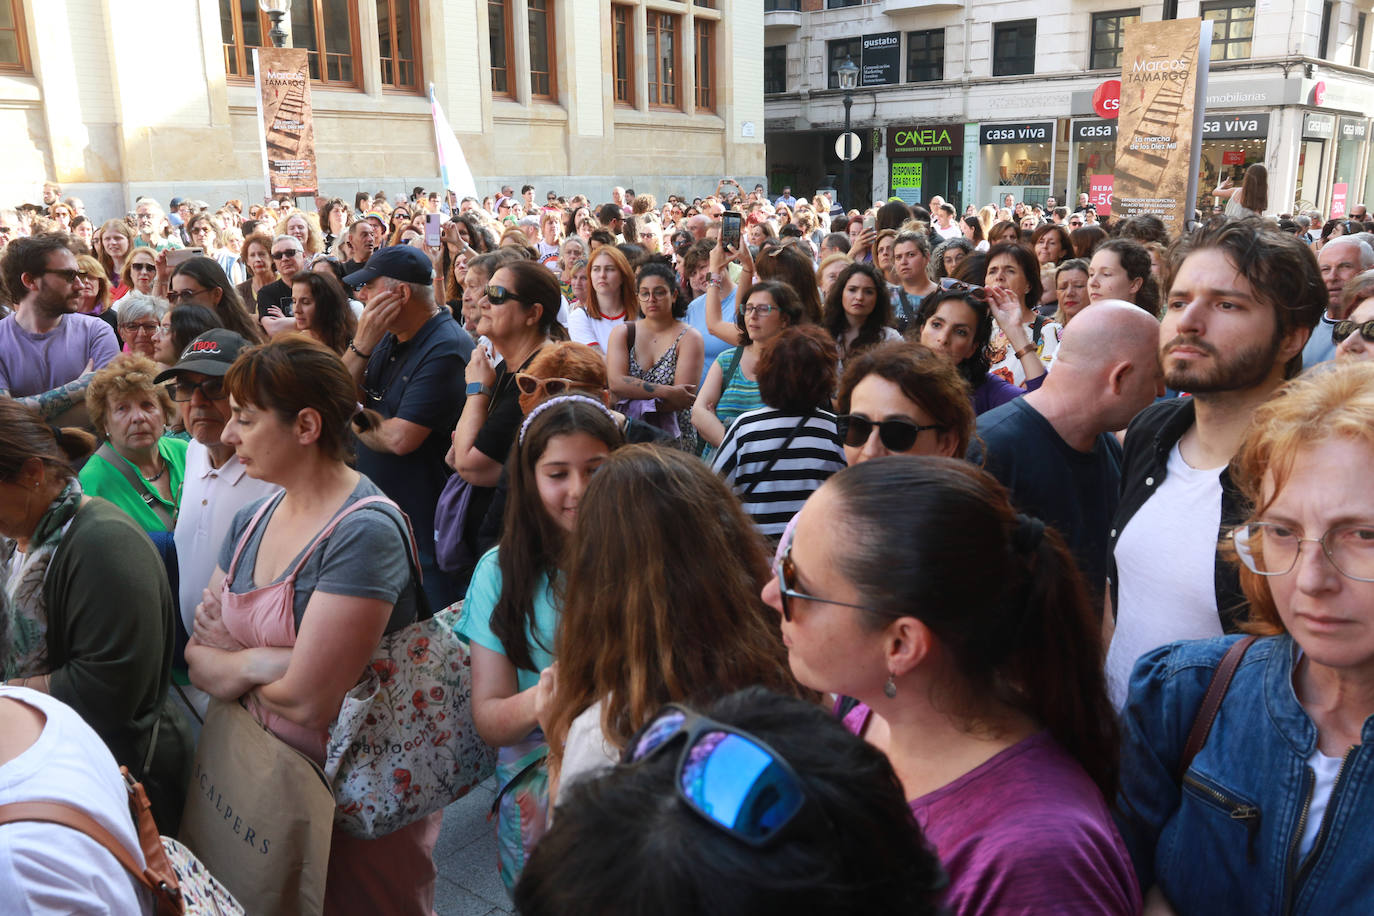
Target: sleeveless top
column 664, row 372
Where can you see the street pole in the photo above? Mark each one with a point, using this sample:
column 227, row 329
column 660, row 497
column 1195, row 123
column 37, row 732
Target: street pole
column 844, row 178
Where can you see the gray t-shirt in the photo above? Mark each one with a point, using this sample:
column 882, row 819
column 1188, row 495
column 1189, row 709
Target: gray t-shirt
column 365, row 557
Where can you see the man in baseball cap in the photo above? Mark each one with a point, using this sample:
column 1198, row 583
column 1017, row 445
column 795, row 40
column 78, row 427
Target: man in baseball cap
column 399, row 262
column 216, row 486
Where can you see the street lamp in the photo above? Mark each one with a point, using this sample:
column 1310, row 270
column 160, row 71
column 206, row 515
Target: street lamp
column 276, row 10
column 847, row 74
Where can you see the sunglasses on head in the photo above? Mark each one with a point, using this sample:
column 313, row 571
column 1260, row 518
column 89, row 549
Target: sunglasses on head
column 726, row 776
column 896, row 434
column 949, row 283
column 499, row 295
column 1344, row 329
column 551, row 387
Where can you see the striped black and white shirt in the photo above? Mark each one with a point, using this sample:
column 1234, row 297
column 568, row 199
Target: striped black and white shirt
column 770, row 481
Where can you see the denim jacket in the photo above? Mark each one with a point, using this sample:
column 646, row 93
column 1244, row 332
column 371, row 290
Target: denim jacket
column 1226, row 840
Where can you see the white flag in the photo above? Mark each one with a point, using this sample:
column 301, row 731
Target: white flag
column 453, row 165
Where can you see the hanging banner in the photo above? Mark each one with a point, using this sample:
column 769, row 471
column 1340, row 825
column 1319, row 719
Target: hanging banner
column 282, row 76
column 1164, row 68
column 1100, row 193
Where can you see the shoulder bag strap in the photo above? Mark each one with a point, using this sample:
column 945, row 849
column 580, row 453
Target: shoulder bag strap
column 777, row 453
column 76, row 819
column 1211, row 702
column 731, row 368
column 116, row 461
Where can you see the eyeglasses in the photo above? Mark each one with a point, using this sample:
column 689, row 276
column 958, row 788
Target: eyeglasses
column 763, row 311
column 726, row 776
column 499, row 295
column 212, row 389
column 786, row 571
column 896, row 434
column 288, row 253
column 550, row 387
column 141, row 267
column 657, row 293
column 1269, row 549
column 1344, row 329
column 139, row 327
column 184, row 295
column 66, row 273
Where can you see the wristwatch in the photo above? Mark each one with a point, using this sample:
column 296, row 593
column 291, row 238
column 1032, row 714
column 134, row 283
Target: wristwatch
column 479, row 388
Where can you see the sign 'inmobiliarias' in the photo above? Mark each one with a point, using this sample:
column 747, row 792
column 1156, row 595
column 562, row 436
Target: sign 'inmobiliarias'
column 288, row 133
column 1164, row 68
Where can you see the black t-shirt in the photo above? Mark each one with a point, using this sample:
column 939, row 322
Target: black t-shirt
column 495, row 440
column 275, row 293
column 420, row 380
column 1075, row 492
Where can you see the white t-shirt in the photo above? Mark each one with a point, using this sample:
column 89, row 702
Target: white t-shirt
column 52, row 869
column 1050, row 332
column 1326, row 769
column 1166, row 570
column 586, row 752
column 953, row 232
column 594, row 332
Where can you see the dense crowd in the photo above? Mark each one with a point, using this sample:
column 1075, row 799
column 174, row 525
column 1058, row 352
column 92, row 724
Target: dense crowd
column 890, row 560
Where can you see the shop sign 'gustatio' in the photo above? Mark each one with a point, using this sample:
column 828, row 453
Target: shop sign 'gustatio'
column 1164, row 69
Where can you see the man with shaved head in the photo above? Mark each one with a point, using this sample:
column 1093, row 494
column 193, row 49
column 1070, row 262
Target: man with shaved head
column 1054, row 449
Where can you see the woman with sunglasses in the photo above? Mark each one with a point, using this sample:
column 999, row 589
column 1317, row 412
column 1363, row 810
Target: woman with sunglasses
column 511, row 611
column 203, row 282
column 965, row 634
column 902, row 398
column 654, row 363
column 731, row 386
column 1354, row 336
column 138, row 275
column 677, row 830
column 1272, row 811
column 634, row 635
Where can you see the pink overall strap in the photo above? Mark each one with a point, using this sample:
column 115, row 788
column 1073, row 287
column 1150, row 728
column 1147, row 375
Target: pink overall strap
column 248, row 532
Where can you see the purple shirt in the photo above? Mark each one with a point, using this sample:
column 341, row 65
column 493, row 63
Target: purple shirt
column 34, row 363
column 996, row 391
column 1025, row 832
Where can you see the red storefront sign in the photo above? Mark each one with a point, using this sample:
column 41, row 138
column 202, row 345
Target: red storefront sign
column 1100, row 193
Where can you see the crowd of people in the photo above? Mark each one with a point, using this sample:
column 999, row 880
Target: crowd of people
column 807, row 560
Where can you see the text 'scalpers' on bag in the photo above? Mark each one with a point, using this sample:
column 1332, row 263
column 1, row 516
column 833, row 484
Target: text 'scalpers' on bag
column 1164, row 68
column 287, row 129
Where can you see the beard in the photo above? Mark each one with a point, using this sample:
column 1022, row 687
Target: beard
column 1237, row 371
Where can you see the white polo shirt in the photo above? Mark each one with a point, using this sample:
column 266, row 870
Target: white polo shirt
column 210, row 498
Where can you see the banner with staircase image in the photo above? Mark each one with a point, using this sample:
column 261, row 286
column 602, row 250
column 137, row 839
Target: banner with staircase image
column 1164, row 68
column 287, row 131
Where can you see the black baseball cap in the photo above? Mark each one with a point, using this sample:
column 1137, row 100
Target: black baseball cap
column 212, row 353
column 399, row 262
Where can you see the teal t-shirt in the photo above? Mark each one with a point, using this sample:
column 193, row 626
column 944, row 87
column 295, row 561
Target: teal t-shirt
column 475, row 623
column 100, row 478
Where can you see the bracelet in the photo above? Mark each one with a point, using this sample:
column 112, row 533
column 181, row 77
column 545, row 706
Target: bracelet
column 1028, row 348
column 359, row 352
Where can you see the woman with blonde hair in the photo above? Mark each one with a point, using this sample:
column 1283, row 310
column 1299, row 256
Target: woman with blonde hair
column 257, row 259
column 830, row 268
column 138, row 274
column 116, row 241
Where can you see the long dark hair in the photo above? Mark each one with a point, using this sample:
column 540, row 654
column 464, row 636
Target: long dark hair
column 188, row 321
column 232, row 313
column 333, row 322
column 1135, row 260
column 659, row 266
column 837, row 323
column 784, row 297
column 530, row 540
column 1000, row 592
column 787, row 264
column 1254, row 189
column 974, row 368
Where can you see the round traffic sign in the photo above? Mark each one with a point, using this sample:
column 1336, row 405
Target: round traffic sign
column 847, row 146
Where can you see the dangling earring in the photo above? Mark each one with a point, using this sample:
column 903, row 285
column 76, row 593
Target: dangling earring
column 890, row 688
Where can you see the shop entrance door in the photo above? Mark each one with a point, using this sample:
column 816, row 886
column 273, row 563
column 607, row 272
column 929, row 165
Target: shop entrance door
column 1310, row 161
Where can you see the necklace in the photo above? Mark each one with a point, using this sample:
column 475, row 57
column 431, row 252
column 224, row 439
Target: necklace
column 158, row 475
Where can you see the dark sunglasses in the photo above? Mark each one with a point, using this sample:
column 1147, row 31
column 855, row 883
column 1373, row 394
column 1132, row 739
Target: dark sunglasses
column 551, row 387
column 897, row 434
column 786, row 571
column 499, row 295
column 289, row 253
column 949, row 283
column 143, row 268
column 1344, row 329
column 726, row 776
column 212, row 389
column 186, row 296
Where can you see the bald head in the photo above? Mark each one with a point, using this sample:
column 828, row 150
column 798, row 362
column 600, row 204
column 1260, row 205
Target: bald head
column 1113, row 331
column 1107, row 368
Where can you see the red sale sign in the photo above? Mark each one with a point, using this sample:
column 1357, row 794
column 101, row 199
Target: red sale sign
column 1233, row 157
column 1100, row 193
column 1338, row 196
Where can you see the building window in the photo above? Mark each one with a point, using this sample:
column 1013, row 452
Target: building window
column 925, row 56
column 706, row 64
column 14, row 46
column 775, row 69
column 841, row 4
column 662, row 57
column 328, row 29
column 1013, row 48
column 398, row 22
column 773, row 6
column 499, row 31
column 837, row 52
column 708, row 4
column 623, row 58
column 541, row 49
column 1108, row 34
column 1233, row 25
column 1360, row 22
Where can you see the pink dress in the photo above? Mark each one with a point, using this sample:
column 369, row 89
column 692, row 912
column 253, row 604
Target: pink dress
column 391, row 874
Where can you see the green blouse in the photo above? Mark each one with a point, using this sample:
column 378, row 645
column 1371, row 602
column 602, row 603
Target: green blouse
column 100, row 478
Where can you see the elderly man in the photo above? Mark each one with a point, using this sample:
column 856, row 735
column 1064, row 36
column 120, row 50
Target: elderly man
column 288, row 257
column 408, row 357
column 151, row 223
column 1340, row 260
column 47, row 349
column 215, row 485
column 1054, row 449
column 362, row 241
